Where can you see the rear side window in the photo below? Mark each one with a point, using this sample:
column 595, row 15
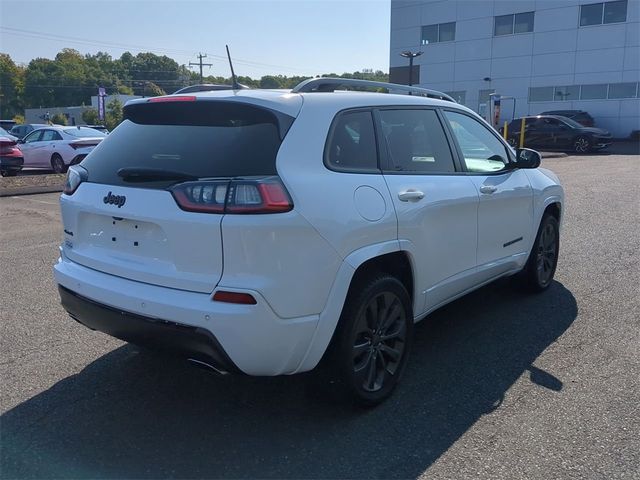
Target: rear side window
column 352, row 144
column 202, row 139
column 415, row 142
column 50, row 135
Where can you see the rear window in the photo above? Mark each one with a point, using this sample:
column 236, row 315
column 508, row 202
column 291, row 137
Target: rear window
column 83, row 132
column 202, row 139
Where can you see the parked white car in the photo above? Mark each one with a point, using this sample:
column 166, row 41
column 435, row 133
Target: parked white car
column 263, row 231
column 56, row 147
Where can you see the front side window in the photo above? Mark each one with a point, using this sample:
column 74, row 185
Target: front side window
column 33, row 137
column 415, row 142
column 481, row 150
column 352, row 143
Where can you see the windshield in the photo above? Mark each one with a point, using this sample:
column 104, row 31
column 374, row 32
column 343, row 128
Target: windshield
column 571, row 123
column 3, row 132
column 83, row 132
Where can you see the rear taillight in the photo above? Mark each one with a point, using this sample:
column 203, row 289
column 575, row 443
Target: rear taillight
column 77, row 145
column 8, row 148
column 75, row 176
column 243, row 195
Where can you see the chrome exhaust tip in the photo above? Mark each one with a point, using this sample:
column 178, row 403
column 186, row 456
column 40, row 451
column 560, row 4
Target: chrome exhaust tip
column 207, row 366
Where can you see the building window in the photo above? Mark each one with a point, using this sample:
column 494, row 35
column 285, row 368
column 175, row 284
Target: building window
column 601, row 91
column 570, row 92
column 513, row 23
column 593, row 92
column 541, row 94
column 599, row 13
column 458, row 96
column 623, row 90
column 443, row 32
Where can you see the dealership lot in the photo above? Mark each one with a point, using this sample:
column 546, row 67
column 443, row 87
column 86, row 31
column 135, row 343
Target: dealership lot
column 500, row 384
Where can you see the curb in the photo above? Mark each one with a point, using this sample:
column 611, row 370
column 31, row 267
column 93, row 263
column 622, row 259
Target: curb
column 10, row 192
column 553, row 154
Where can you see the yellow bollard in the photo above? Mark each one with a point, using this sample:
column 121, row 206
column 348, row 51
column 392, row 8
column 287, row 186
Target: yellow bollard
column 522, row 133
column 504, row 130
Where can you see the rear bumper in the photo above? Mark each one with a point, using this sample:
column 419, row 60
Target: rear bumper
column 11, row 163
column 184, row 340
column 248, row 338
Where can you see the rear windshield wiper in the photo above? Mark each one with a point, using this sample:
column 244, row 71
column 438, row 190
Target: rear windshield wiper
column 141, row 174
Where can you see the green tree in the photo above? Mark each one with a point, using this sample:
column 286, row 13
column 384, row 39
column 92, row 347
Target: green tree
column 90, row 116
column 59, row 119
column 11, row 87
column 153, row 90
column 114, row 114
column 271, row 81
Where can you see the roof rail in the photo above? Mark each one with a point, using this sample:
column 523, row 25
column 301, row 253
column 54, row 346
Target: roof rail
column 207, row 87
column 332, row 84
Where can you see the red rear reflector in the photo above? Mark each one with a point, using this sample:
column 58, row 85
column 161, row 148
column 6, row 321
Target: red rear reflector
column 234, row 297
column 181, row 98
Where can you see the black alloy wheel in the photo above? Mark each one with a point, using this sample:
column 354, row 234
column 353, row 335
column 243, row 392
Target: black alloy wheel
column 373, row 340
column 543, row 259
column 57, row 164
column 582, row 145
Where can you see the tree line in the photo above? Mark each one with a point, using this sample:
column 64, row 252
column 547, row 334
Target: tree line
column 71, row 78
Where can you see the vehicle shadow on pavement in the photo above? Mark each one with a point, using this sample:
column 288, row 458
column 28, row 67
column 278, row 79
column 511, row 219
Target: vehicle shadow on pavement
column 136, row 415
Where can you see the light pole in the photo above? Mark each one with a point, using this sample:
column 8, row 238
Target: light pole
column 410, row 56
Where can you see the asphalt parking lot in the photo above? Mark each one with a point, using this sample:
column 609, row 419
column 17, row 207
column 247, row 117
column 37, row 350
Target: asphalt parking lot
column 501, row 384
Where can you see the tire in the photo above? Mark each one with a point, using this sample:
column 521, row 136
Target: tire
column 366, row 366
column 543, row 259
column 582, row 145
column 57, row 164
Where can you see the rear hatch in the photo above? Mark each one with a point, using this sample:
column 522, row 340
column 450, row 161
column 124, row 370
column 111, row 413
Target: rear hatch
column 125, row 219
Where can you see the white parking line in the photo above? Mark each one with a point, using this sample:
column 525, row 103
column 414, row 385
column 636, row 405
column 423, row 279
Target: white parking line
column 32, row 200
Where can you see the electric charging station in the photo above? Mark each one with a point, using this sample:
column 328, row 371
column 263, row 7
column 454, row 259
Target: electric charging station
column 493, row 114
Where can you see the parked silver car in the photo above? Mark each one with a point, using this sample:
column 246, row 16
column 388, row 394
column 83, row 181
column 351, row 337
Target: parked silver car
column 56, row 147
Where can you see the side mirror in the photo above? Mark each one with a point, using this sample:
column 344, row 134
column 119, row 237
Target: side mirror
column 20, row 140
column 527, row 158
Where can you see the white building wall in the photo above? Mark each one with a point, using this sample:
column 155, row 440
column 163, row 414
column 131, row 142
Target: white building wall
column 557, row 53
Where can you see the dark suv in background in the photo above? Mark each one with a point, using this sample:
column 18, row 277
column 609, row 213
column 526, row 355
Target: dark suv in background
column 554, row 132
column 580, row 116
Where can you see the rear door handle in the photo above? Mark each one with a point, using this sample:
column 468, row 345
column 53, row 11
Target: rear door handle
column 410, row 195
column 487, row 189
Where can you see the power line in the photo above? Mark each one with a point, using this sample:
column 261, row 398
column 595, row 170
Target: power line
column 125, row 47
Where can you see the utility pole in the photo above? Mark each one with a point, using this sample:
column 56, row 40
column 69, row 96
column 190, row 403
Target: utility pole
column 200, row 64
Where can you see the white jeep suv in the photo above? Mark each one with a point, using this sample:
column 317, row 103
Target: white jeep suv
column 263, row 231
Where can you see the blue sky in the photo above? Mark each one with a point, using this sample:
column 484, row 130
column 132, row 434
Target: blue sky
column 293, row 37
